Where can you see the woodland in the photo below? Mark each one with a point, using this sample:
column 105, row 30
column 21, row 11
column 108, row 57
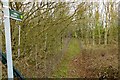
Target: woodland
column 64, row 39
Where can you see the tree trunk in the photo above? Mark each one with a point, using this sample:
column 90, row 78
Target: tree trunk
column 105, row 36
column 93, row 37
column 99, row 36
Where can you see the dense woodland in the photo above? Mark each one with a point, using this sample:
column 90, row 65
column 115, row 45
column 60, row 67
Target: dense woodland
column 47, row 27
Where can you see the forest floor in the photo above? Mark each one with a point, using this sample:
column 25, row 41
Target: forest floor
column 90, row 62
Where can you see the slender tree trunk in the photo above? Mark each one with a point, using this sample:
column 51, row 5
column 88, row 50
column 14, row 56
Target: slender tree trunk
column 93, row 37
column 99, row 36
column 105, row 36
column 106, row 24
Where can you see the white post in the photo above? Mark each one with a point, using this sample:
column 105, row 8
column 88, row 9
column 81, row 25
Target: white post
column 8, row 38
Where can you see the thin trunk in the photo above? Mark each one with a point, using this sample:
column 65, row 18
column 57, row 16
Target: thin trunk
column 19, row 41
column 36, row 60
column 45, row 50
column 93, row 37
column 105, row 38
column 99, row 36
column 106, row 23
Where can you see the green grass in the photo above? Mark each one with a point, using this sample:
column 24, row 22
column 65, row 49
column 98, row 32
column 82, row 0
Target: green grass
column 73, row 50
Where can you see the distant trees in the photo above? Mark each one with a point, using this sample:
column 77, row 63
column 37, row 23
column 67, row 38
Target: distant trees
column 98, row 23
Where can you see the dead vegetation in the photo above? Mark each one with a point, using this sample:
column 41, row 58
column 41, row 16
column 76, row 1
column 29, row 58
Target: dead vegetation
column 96, row 62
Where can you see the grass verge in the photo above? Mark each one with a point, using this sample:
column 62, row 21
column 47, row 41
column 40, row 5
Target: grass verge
column 62, row 69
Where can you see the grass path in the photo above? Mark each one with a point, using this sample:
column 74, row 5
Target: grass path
column 63, row 68
column 91, row 62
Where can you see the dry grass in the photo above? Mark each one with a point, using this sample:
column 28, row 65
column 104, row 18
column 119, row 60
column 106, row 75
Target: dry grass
column 95, row 62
